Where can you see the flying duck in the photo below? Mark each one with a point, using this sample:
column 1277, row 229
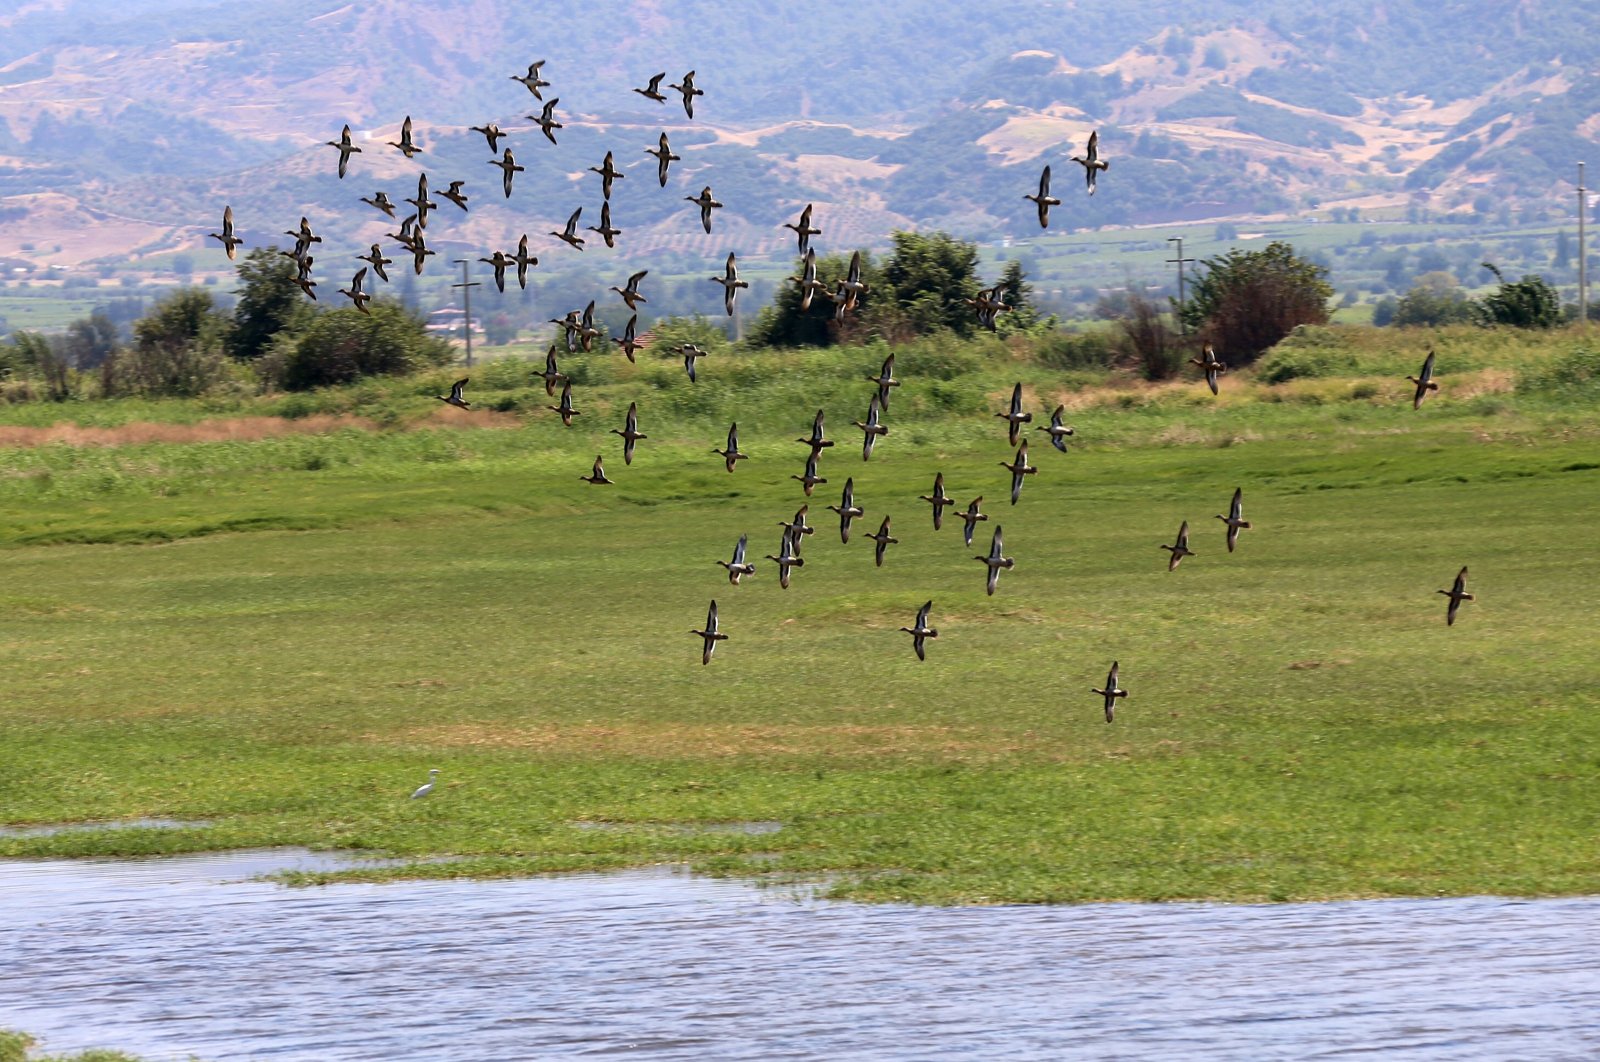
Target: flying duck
column 847, row 509
column 1090, row 160
column 524, row 260
column 630, row 433
column 552, row 375
column 1234, row 519
column 455, row 398
column 346, row 149
column 689, row 92
column 405, row 145
column 803, row 230
column 1457, row 594
column 690, row 354
column 885, row 380
column 730, row 283
column 852, row 283
column 547, row 121
column 608, row 173
column 711, row 636
column 664, row 158
column 532, row 80
column 939, row 500
column 1181, row 549
column 809, row 284
column 605, row 229
column 1211, row 365
column 971, row 517
column 731, row 456
column 816, row 441
column 995, row 561
column 884, row 541
column 738, row 567
column 1111, row 692
column 354, row 293
column 499, row 261
column 376, row 259
column 921, row 631
column 455, row 194
column 798, row 527
column 1019, row 467
column 381, row 201
column 230, row 242
column 422, row 202
column 491, row 132
column 871, row 428
column 788, row 557
column 652, row 91
column 707, row 203
column 1043, row 200
column 627, row 341
column 569, row 235
column 1058, row 431
column 810, row 479
column 1014, row 417
column 597, row 474
column 1424, row 382
column 587, row 331
column 630, row 293
column 565, row 408
column 508, row 168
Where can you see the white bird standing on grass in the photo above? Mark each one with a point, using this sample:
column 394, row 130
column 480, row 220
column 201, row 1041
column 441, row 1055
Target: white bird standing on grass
column 427, row 787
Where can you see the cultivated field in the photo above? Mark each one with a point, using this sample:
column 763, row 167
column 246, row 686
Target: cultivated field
column 280, row 631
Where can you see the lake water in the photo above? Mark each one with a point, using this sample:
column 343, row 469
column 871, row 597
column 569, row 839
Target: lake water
column 168, row 957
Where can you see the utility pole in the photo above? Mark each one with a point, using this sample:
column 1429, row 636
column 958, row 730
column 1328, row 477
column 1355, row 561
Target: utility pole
column 466, row 287
column 1178, row 261
column 1583, row 264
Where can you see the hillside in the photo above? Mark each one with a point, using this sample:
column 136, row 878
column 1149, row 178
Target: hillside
column 120, row 136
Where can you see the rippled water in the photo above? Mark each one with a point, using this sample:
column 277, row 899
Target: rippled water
column 172, row 956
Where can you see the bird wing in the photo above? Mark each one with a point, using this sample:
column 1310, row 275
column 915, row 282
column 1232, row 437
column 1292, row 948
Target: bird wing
column 738, row 551
column 1183, row 535
column 1236, row 508
column 996, row 545
column 572, row 222
column 455, row 388
column 1093, row 151
column 1111, row 677
column 922, row 614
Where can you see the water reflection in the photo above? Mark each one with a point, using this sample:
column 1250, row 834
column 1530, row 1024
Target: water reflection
column 176, row 955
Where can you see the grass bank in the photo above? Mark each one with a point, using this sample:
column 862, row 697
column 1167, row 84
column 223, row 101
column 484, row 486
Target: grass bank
column 1301, row 722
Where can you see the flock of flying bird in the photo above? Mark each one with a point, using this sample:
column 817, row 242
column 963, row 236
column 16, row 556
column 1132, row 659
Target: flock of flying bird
column 580, row 332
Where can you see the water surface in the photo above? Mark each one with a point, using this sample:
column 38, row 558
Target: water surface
column 172, row 956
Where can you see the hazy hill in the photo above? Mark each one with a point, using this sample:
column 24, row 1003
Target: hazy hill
column 123, row 132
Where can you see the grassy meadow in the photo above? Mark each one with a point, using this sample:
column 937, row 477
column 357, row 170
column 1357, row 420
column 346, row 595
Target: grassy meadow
column 276, row 614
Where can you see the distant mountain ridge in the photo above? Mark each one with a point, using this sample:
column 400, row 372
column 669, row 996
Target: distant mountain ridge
column 890, row 114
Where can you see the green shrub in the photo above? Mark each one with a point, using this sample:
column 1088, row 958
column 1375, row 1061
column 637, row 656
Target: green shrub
column 1575, row 374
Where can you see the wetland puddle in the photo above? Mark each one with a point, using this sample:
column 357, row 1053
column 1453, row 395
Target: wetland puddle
column 172, row 956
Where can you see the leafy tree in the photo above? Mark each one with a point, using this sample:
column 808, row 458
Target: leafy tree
column 46, row 357
column 178, row 347
column 1147, row 339
column 91, row 340
column 1526, row 303
column 1246, row 301
column 344, row 345
column 930, row 274
column 270, row 302
column 1434, row 299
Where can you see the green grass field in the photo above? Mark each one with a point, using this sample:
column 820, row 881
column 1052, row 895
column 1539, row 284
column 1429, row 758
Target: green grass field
column 282, row 635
